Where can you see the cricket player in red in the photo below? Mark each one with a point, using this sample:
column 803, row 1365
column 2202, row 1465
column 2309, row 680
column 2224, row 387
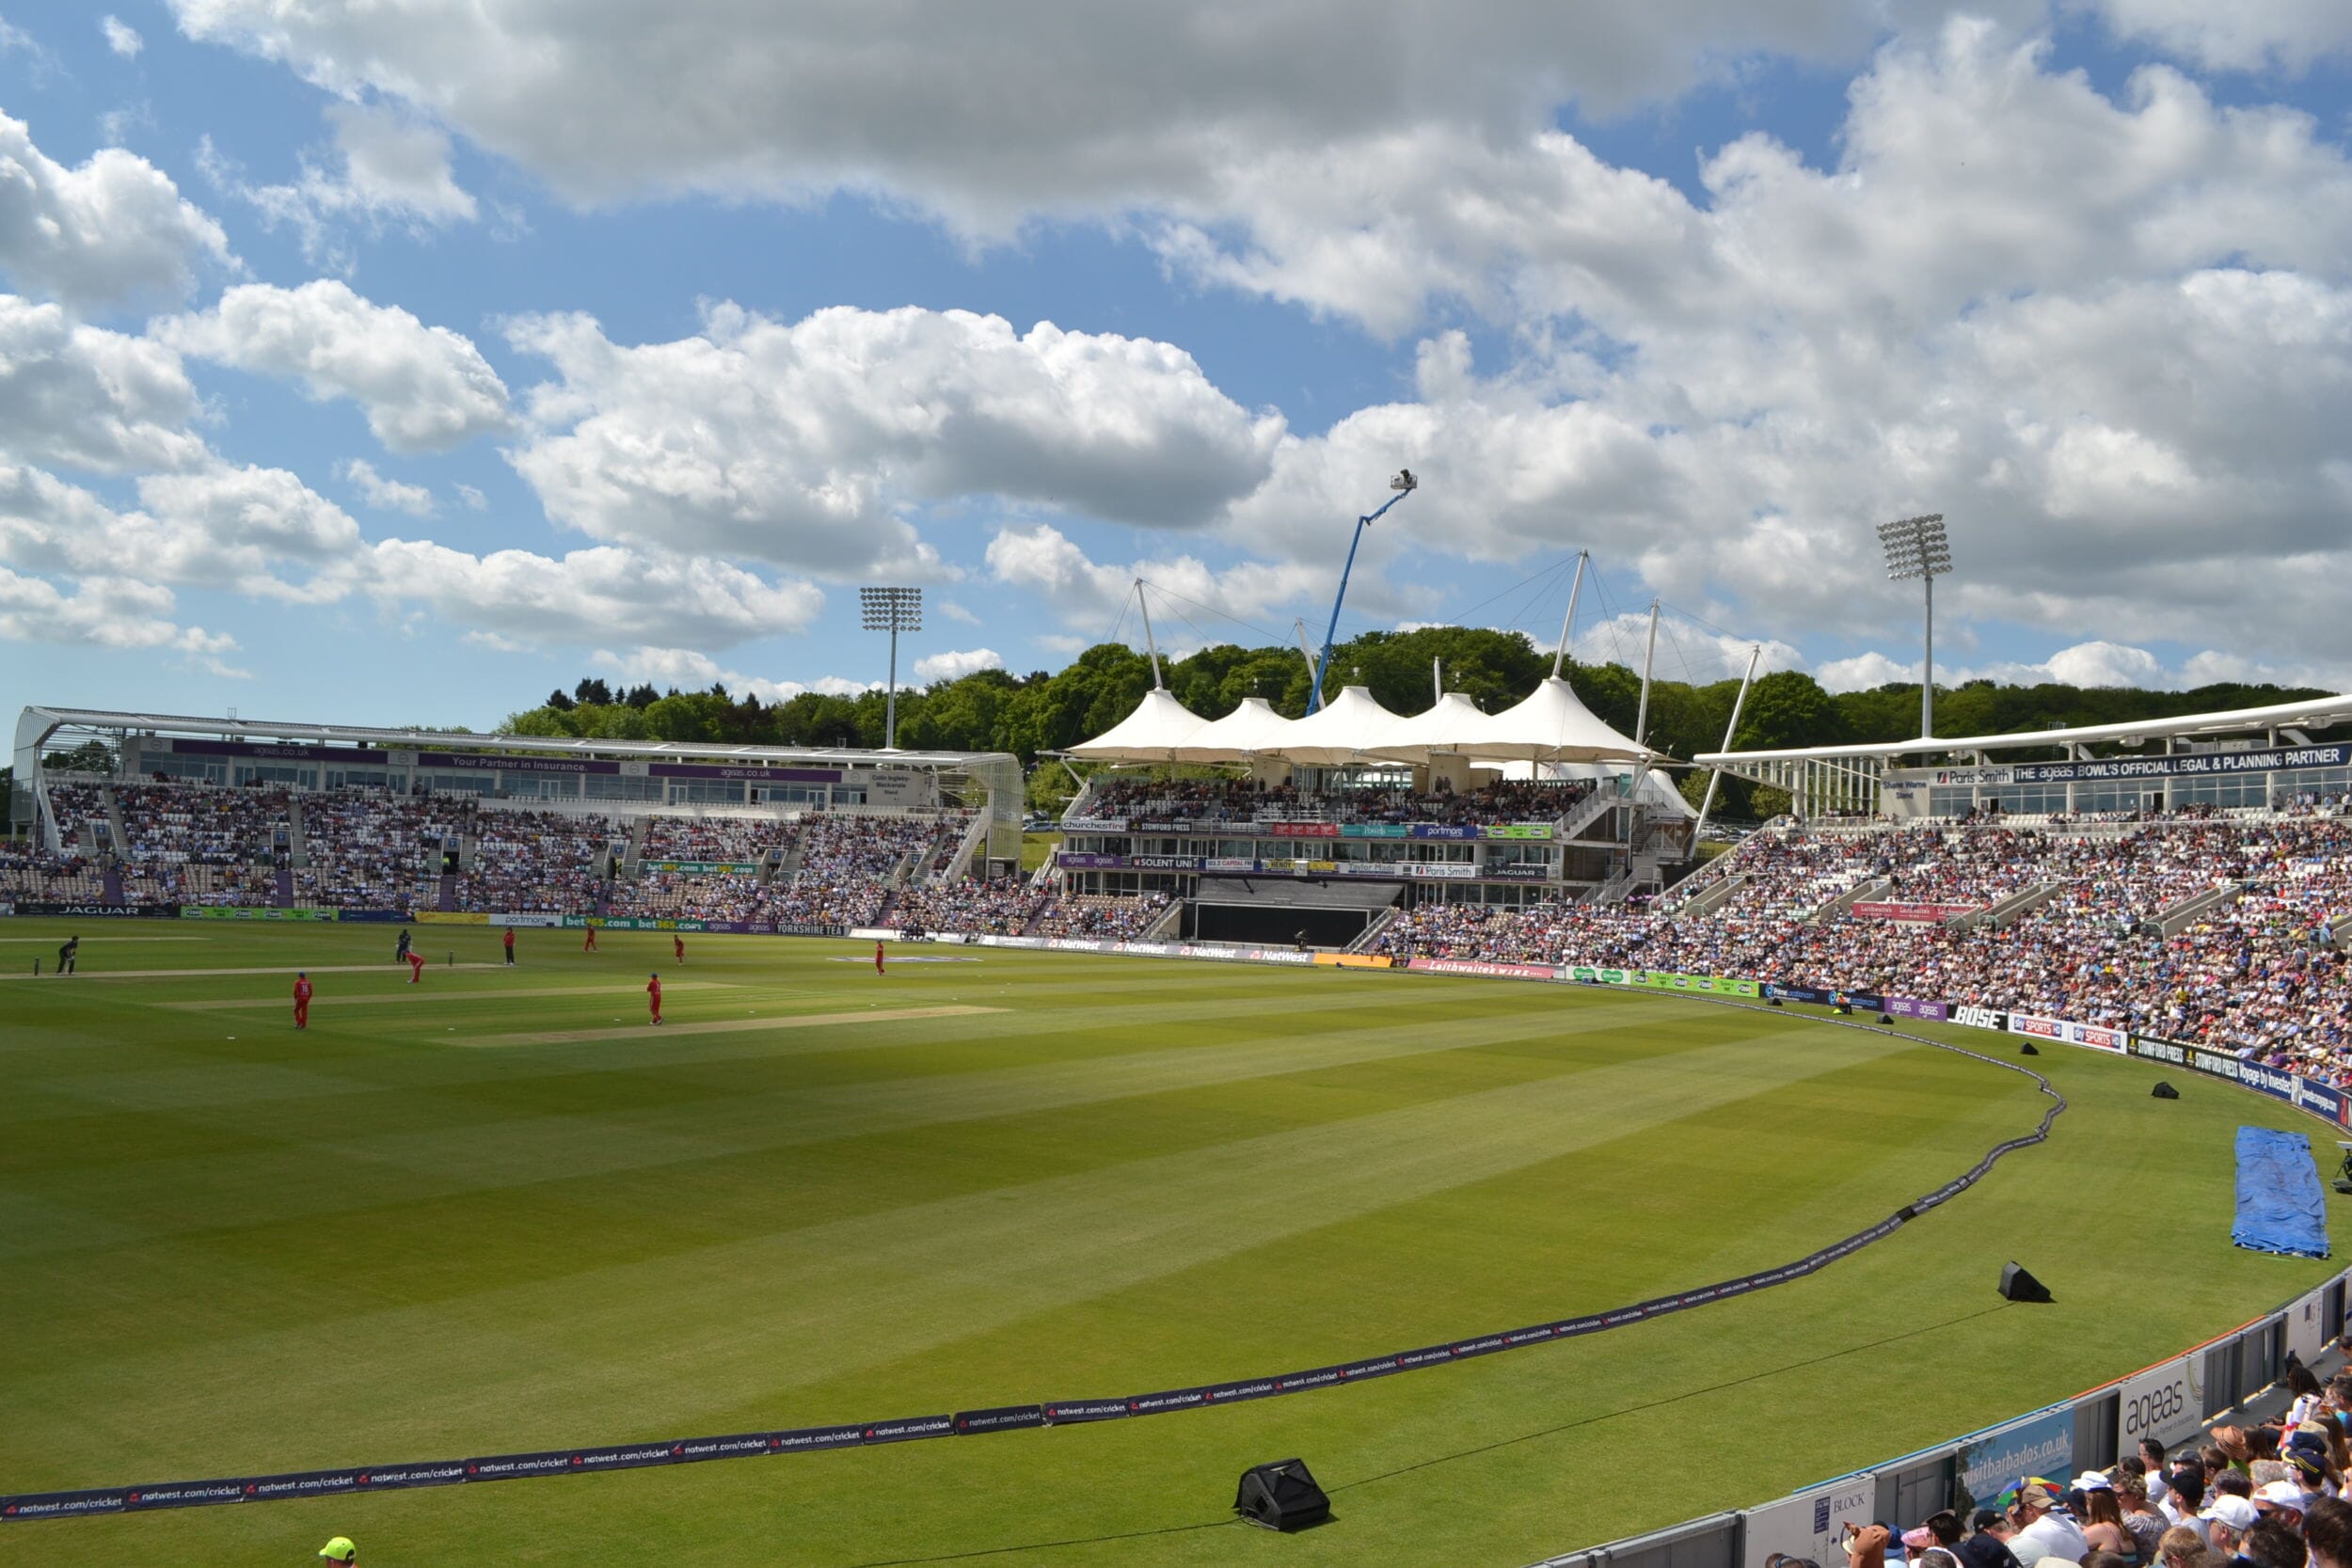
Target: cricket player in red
column 677, row 946
column 653, row 994
column 590, row 946
column 878, row 964
column 415, row 966
column 302, row 1000
column 510, row 944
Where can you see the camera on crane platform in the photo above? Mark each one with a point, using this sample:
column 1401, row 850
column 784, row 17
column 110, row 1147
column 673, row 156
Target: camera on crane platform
column 1404, row 481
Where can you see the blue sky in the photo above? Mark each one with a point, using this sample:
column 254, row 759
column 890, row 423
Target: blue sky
column 397, row 366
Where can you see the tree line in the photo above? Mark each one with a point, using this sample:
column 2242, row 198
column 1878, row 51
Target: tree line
column 995, row 711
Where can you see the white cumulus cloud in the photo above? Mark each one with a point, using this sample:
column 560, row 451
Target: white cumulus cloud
column 808, row 443
column 113, row 231
column 955, row 664
column 384, row 494
column 120, row 37
column 422, row 387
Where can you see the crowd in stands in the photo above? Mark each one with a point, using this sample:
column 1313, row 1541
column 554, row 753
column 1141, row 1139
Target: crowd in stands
column 843, row 868
column 1102, row 916
column 1004, row 907
column 710, row 838
column 530, row 861
column 2255, row 971
column 35, row 875
column 81, row 813
column 1245, row 801
column 371, row 851
column 175, row 824
column 2266, row 1496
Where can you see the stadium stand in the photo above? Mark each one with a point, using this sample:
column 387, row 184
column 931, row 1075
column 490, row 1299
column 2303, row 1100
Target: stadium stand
column 1243, row 801
column 528, row 861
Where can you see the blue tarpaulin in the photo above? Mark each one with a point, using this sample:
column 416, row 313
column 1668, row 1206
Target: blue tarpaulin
column 2280, row 1205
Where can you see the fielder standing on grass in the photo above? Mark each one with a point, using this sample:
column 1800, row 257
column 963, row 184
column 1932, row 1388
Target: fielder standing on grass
column 590, row 946
column 416, row 965
column 510, row 947
column 70, row 955
column 400, row 952
column 877, row 956
column 302, row 1000
column 653, row 995
column 678, row 946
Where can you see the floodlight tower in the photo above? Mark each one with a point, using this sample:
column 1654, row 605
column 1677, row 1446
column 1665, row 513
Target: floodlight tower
column 1404, row 485
column 1916, row 547
column 894, row 611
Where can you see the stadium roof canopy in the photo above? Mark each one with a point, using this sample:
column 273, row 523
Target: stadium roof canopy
column 35, row 725
column 1836, row 778
column 1150, row 734
column 1551, row 726
column 2313, row 713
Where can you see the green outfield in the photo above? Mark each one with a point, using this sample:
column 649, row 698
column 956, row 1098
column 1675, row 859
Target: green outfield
column 496, row 1211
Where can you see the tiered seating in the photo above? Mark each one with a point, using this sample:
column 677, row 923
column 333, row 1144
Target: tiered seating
column 2257, row 973
column 81, row 813
column 846, row 862
column 1001, row 908
column 191, row 883
column 530, row 861
column 31, row 875
column 369, row 850
column 1241, row 801
column 178, row 823
column 1101, row 916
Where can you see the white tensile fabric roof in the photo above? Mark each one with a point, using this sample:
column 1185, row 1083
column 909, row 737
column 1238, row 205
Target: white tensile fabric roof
column 1253, row 729
column 1447, row 725
column 1552, row 725
column 1150, row 734
column 1351, row 725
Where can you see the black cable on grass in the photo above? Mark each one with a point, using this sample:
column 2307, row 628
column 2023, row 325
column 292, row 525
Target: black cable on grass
column 1044, row 1546
column 1594, row 1419
column 1671, row 1399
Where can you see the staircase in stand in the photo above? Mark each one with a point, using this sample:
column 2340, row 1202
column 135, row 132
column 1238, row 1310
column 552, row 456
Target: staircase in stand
column 1587, row 811
column 282, row 898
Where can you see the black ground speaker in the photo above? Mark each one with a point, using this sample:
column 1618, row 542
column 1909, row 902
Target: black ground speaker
column 2017, row 1285
column 2164, row 1091
column 1281, row 1495
column 2029, row 1048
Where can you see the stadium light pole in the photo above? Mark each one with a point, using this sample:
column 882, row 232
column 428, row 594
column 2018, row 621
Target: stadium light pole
column 894, row 611
column 1916, row 547
column 1404, row 485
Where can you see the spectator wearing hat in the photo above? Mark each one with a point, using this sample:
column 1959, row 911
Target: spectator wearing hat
column 2282, row 1499
column 2044, row 1530
column 339, row 1550
column 2183, row 1495
column 1866, row 1547
column 1987, row 1546
column 2227, row 1518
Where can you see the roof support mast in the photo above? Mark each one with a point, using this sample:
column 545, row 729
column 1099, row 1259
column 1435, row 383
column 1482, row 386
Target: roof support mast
column 1560, row 655
column 1715, row 775
column 1404, row 485
column 1149, row 641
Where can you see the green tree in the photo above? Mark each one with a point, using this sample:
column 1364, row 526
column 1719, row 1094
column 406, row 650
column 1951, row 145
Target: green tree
column 90, row 756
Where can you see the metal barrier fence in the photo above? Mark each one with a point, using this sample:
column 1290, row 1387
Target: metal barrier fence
column 2172, row 1401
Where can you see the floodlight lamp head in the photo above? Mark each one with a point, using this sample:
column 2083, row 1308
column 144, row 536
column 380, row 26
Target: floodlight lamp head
column 892, row 609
